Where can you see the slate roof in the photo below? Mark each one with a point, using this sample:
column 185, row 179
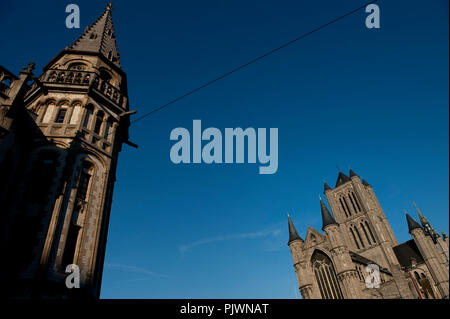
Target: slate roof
column 407, row 251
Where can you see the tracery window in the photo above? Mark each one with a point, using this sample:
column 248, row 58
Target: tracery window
column 326, row 276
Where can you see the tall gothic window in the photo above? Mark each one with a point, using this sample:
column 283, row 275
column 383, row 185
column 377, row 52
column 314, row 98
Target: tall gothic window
column 359, row 237
column 353, row 204
column 71, row 241
column 87, row 116
column 356, row 201
column 370, row 232
column 346, row 205
column 326, row 276
column 343, row 207
column 365, row 233
column 108, row 129
column 98, row 122
column 83, row 184
column 74, row 230
column 354, row 237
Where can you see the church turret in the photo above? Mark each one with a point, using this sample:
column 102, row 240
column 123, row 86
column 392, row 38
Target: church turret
column 293, row 235
column 302, row 272
column 342, row 259
column 431, row 255
column 412, row 224
column 327, row 218
column 79, row 108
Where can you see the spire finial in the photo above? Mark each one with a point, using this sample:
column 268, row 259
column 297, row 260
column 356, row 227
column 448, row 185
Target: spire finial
column 417, row 209
column 109, row 7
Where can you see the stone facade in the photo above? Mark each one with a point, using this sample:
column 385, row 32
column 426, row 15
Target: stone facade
column 333, row 265
column 60, row 138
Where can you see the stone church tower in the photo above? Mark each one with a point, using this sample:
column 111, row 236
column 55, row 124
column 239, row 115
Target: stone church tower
column 334, row 265
column 60, row 138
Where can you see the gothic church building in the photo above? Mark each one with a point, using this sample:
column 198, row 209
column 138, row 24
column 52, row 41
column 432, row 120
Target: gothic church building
column 60, row 137
column 356, row 234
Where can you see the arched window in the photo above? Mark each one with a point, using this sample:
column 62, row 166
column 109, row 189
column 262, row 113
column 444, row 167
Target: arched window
column 365, row 233
column 346, row 205
column 108, row 126
column 343, row 208
column 325, row 276
column 359, row 237
column 356, row 201
column 88, row 115
column 353, row 204
column 98, row 122
column 371, row 234
column 354, row 237
column 84, row 180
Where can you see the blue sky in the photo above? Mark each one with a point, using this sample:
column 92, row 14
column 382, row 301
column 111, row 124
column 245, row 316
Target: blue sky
column 373, row 100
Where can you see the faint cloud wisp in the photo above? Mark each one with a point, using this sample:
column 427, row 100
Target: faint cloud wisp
column 274, row 232
column 136, row 270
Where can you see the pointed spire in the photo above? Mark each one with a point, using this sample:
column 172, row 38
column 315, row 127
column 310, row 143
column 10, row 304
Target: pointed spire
column 342, row 178
column 422, row 218
column 365, row 183
column 412, row 224
column 293, row 235
column 352, row 173
column 326, row 187
column 327, row 218
column 429, row 230
column 100, row 38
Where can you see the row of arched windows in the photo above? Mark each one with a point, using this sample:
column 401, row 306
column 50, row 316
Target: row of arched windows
column 92, row 119
column 362, row 235
column 99, row 123
column 348, row 202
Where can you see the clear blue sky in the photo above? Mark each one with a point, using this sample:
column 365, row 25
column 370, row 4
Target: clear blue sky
column 373, row 100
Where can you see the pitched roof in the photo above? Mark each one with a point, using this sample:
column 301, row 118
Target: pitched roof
column 293, row 235
column 342, row 178
column 407, row 251
column 100, row 38
column 327, row 218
